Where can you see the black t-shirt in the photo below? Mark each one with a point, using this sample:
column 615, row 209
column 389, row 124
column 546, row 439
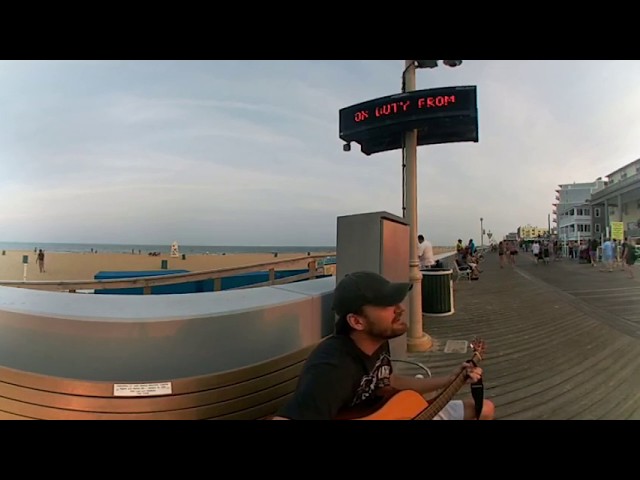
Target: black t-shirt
column 338, row 375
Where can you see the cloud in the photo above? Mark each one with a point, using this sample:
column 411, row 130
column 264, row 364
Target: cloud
column 236, row 152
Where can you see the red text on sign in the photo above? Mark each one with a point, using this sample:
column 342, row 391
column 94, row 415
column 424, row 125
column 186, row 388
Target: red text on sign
column 361, row 115
column 439, row 101
column 391, row 108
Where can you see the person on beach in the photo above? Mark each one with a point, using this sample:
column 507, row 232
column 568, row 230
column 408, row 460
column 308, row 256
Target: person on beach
column 349, row 368
column 40, row 261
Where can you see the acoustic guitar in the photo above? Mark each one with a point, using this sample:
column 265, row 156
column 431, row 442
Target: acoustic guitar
column 411, row 405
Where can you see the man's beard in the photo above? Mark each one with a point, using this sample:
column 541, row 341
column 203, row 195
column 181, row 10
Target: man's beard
column 397, row 328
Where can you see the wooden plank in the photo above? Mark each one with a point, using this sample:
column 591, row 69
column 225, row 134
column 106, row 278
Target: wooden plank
column 551, row 354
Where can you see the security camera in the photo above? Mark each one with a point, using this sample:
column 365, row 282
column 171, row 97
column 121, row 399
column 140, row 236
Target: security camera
column 452, row 63
column 346, row 147
column 426, row 63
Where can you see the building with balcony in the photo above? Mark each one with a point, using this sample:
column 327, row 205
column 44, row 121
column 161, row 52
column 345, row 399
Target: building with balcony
column 572, row 209
column 618, row 201
column 527, row 232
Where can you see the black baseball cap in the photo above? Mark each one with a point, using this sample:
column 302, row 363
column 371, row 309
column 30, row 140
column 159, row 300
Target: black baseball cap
column 362, row 288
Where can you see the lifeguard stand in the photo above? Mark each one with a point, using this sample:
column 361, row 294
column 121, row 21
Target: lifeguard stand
column 175, row 252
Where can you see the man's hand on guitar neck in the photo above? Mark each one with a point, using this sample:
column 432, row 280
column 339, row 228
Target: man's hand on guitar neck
column 473, row 373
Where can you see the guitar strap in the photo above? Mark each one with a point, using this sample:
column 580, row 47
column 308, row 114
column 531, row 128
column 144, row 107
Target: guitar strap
column 477, row 392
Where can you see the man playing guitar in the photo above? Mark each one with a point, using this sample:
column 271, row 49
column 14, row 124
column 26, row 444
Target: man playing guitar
column 352, row 368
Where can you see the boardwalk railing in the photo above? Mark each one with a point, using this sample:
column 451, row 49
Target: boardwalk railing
column 216, row 275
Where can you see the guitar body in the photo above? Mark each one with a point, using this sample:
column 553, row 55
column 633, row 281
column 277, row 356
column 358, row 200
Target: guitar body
column 401, row 405
column 411, row 405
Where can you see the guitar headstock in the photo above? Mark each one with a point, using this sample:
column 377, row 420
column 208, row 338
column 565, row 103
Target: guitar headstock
column 478, row 346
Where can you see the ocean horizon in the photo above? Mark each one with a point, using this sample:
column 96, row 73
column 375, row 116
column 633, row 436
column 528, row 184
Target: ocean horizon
column 162, row 248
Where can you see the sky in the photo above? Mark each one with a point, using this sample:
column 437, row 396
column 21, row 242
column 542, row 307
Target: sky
column 248, row 153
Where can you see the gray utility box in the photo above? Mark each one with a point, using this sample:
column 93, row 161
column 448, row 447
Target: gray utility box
column 378, row 242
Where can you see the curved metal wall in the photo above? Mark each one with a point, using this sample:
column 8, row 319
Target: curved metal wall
column 229, row 354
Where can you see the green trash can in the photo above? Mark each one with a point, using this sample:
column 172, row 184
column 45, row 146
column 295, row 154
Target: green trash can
column 163, row 264
column 437, row 291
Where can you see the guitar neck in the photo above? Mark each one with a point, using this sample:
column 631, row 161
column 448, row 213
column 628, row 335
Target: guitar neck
column 445, row 396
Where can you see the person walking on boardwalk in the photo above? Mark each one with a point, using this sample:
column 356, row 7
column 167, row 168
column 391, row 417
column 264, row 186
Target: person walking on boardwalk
column 608, row 255
column 628, row 256
column 593, row 251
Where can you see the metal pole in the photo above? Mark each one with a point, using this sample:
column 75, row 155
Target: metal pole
column 417, row 340
column 481, row 234
column 404, row 180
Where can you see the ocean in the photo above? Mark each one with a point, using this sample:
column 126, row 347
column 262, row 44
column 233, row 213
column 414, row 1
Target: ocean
column 165, row 248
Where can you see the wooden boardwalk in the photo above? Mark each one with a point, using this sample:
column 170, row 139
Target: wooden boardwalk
column 563, row 339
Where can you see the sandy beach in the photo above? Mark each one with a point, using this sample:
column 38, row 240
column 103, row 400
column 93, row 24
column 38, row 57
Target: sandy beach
column 83, row 266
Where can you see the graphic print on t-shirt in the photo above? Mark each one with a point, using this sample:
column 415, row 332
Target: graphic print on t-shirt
column 379, row 377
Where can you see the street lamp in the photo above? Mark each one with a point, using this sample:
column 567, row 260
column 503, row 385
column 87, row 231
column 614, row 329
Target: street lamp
column 417, row 339
column 481, row 234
